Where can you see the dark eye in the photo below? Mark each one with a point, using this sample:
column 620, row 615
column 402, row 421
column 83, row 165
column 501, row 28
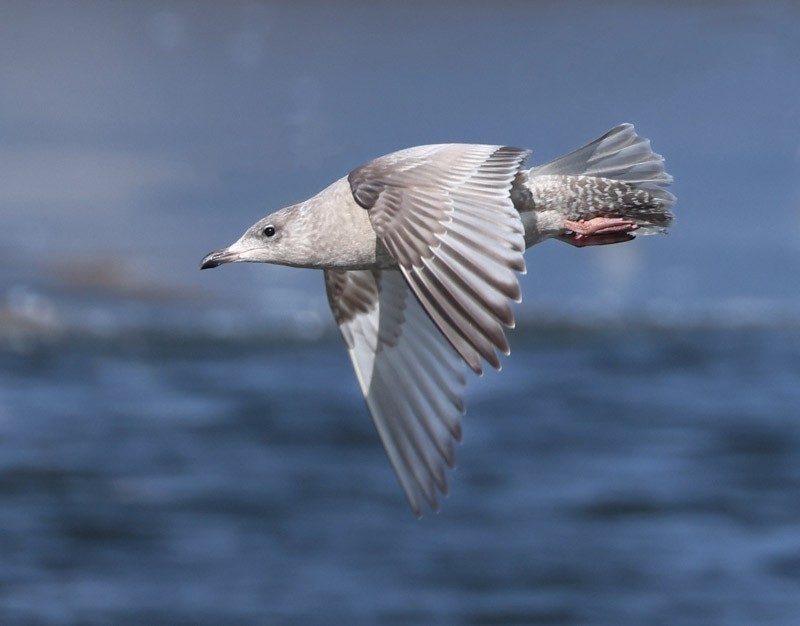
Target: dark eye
column 269, row 231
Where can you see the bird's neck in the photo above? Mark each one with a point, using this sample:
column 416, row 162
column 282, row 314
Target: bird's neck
column 342, row 236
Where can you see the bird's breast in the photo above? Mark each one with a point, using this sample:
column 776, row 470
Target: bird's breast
column 345, row 238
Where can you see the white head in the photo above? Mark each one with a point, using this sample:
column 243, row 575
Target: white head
column 285, row 238
column 328, row 231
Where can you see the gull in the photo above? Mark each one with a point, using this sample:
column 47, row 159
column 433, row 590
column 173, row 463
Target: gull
column 420, row 251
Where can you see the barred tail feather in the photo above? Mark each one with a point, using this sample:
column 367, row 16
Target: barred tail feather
column 621, row 155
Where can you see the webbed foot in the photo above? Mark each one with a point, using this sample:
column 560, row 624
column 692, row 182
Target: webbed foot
column 598, row 231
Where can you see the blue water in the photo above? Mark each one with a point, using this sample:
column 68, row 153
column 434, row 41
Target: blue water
column 634, row 473
column 179, row 447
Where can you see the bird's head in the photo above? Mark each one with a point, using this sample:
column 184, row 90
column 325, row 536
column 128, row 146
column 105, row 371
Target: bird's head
column 277, row 238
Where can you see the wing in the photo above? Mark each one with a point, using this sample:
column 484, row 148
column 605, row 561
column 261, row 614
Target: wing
column 411, row 378
column 445, row 214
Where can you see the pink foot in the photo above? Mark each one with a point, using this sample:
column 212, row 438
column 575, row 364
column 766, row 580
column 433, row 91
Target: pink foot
column 598, row 231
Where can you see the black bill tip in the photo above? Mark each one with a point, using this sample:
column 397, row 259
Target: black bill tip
column 217, row 258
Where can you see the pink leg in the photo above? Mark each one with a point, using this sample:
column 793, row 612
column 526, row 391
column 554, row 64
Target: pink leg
column 598, row 231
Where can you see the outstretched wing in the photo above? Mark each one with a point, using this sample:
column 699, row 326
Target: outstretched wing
column 445, row 214
column 410, row 376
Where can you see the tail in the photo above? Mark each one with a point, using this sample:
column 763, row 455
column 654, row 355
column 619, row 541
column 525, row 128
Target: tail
column 617, row 175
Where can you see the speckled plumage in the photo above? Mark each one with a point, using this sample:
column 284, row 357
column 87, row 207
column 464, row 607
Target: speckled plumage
column 421, row 250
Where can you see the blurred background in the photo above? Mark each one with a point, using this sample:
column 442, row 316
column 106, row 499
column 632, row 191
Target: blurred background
column 180, row 447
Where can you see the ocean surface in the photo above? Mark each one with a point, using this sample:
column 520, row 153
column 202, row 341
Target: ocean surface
column 190, row 448
column 630, row 472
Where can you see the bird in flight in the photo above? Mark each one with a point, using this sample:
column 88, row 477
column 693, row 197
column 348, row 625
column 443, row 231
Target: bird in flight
column 420, row 251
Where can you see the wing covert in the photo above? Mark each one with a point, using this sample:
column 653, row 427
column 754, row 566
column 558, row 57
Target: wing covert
column 445, row 214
